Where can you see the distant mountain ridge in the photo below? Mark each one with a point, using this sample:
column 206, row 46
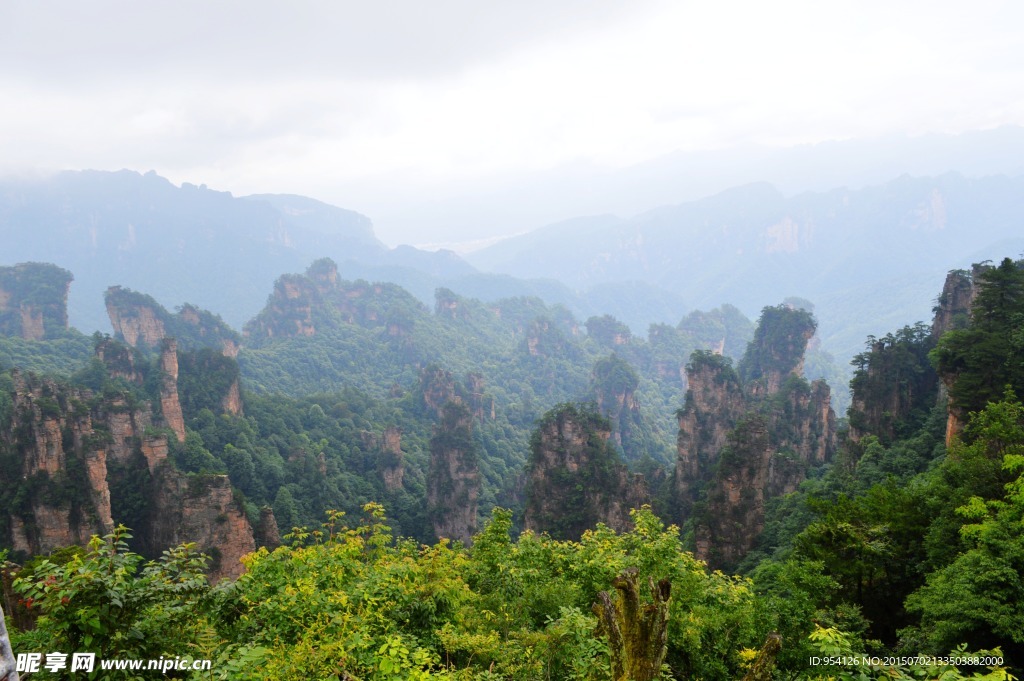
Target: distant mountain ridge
column 887, row 245
column 187, row 243
column 222, row 253
column 869, row 259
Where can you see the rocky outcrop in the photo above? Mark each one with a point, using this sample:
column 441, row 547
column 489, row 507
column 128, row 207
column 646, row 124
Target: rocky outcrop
column 481, row 404
column 34, row 300
column 307, row 304
column 953, row 307
column 63, row 447
column 544, row 339
column 138, row 320
column 575, row 478
column 777, row 350
column 141, row 322
column 388, row 446
column 749, row 436
column 231, row 403
column 119, row 360
column 448, row 304
column 170, row 405
column 613, row 387
column 80, row 455
column 267, row 533
column 714, row 403
column 608, row 332
column 202, row 509
column 453, row 480
column 893, row 385
column 952, row 312
column 437, row 387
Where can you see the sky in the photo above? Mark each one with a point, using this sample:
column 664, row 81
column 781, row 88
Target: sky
column 445, row 121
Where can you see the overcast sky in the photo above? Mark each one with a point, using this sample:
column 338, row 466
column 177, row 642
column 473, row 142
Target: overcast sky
column 376, row 105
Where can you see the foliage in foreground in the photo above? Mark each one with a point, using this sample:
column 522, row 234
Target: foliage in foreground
column 351, row 603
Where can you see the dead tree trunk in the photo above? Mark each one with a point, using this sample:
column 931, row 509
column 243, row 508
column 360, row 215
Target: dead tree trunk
column 637, row 634
column 761, row 670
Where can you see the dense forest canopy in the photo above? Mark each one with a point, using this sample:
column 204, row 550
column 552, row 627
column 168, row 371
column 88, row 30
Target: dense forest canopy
column 410, row 460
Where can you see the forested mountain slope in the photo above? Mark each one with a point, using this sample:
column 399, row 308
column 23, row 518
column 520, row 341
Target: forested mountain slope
column 903, row 538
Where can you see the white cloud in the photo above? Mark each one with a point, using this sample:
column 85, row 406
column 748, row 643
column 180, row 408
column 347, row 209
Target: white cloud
column 406, row 99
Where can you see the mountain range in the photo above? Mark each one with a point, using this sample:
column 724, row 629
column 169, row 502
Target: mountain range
column 869, row 259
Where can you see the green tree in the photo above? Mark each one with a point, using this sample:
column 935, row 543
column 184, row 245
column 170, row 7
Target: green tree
column 107, row 601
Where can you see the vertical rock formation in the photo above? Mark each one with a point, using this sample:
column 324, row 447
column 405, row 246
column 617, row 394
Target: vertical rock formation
column 202, row 509
column 714, row 404
column 34, row 300
column 119, row 361
column 170, row 405
column 307, row 304
column 614, row 384
column 893, row 382
column 137, row 319
column 953, row 307
column 777, row 350
column 141, row 322
column 608, row 331
column 437, row 387
column 231, row 403
column 390, row 460
column 453, row 481
column 952, row 312
column 267, row 533
column 63, row 449
column 87, row 462
column 544, row 339
column 575, row 478
column 480, row 403
column 749, row 436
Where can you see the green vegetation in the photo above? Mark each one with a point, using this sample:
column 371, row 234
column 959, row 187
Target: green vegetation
column 989, row 353
column 191, row 326
column 779, row 342
column 349, row 601
column 899, row 546
column 31, row 294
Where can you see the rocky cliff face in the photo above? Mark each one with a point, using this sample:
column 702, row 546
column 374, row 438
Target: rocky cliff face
column 137, row 323
column 575, row 478
column 307, row 304
column 34, row 300
column 202, row 509
column 390, row 464
column 745, row 440
column 953, row 311
column 77, row 457
column 143, row 323
column 453, row 480
column 714, row 404
column 437, row 387
column 479, row 402
column 120, row 361
column 894, row 384
column 953, row 308
column 231, row 403
column 613, row 387
column 170, row 405
column 267, row 533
